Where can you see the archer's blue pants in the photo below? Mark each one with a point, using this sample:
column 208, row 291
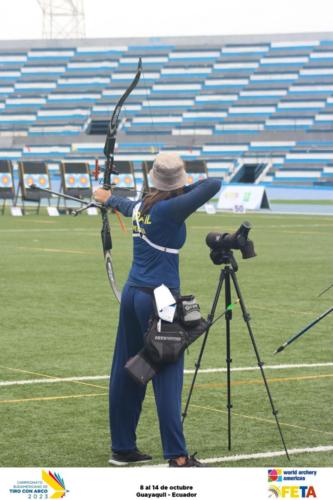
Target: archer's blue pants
column 126, row 396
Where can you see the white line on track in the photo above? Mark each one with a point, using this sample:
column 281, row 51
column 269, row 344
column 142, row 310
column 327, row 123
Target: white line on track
column 254, row 456
column 90, row 232
column 186, row 372
column 53, row 380
column 46, row 230
column 266, row 367
column 39, row 229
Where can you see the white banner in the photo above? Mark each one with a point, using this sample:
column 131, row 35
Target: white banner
column 250, row 197
column 135, row 483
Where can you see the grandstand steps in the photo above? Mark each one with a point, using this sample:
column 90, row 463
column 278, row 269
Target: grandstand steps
column 247, row 173
column 228, row 100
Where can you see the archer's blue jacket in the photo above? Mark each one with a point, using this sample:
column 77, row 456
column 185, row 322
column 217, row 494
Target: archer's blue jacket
column 164, row 226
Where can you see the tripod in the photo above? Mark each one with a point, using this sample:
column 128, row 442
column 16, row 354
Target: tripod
column 228, row 275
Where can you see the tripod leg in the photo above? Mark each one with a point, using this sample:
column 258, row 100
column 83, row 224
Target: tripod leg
column 246, row 317
column 198, row 362
column 228, row 317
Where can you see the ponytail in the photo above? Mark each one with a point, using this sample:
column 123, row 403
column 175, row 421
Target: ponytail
column 156, row 196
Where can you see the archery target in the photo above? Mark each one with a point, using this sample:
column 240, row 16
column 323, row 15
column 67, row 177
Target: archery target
column 192, row 178
column 78, row 181
column 6, row 181
column 123, row 180
column 40, row 180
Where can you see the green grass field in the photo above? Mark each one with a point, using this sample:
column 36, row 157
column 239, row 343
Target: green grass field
column 59, row 316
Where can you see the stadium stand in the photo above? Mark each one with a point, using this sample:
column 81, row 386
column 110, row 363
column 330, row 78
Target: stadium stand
column 227, row 101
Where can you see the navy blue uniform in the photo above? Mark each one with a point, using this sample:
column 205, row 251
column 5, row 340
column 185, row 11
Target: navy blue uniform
column 163, row 226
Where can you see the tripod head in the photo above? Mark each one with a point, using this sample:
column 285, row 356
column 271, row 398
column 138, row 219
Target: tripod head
column 224, row 257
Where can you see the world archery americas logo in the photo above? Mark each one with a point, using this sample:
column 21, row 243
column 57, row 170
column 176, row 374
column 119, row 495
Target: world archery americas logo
column 275, row 475
column 56, row 482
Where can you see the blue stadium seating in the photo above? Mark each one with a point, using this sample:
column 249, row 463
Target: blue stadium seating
column 222, row 99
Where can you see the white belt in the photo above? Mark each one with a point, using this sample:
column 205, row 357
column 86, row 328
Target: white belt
column 144, row 237
column 157, row 247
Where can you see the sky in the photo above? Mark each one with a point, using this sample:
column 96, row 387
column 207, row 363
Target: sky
column 22, row 19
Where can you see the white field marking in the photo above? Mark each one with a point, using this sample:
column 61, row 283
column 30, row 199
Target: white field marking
column 252, row 456
column 45, row 230
column 58, row 250
column 53, row 380
column 266, row 367
column 186, row 372
column 278, row 226
column 78, row 230
column 42, row 221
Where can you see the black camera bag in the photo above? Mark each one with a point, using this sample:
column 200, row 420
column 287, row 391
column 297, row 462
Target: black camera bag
column 164, row 342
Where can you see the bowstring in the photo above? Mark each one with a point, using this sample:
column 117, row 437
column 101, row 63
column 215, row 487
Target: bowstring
column 153, row 149
column 125, row 113
column 119, row 129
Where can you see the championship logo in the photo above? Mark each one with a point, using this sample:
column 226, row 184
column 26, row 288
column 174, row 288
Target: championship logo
column 56, row 482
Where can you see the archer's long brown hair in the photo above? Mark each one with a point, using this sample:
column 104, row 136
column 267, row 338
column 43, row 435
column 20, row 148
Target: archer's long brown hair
column 152, row 198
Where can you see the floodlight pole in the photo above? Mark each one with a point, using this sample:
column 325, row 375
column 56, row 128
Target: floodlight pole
column 63, row 18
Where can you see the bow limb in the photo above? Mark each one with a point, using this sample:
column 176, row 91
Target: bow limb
column 107, row 246
column 113, row 127
column 109, row 163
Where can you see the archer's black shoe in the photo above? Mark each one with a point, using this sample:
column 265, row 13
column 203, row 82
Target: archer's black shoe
column 191, row 461
column 129, row 457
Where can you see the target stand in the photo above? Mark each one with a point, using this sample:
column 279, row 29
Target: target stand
column 124, row 183
column 7, row 189
column 196, row 171
column 75, row 181
column 147, row 184
column 33, row 172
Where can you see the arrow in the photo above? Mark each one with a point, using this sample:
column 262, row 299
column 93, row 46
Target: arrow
column 305, row 329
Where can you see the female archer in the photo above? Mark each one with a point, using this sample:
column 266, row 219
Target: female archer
column 159, row 233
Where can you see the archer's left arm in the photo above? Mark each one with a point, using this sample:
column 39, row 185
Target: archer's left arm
column 123, row 205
